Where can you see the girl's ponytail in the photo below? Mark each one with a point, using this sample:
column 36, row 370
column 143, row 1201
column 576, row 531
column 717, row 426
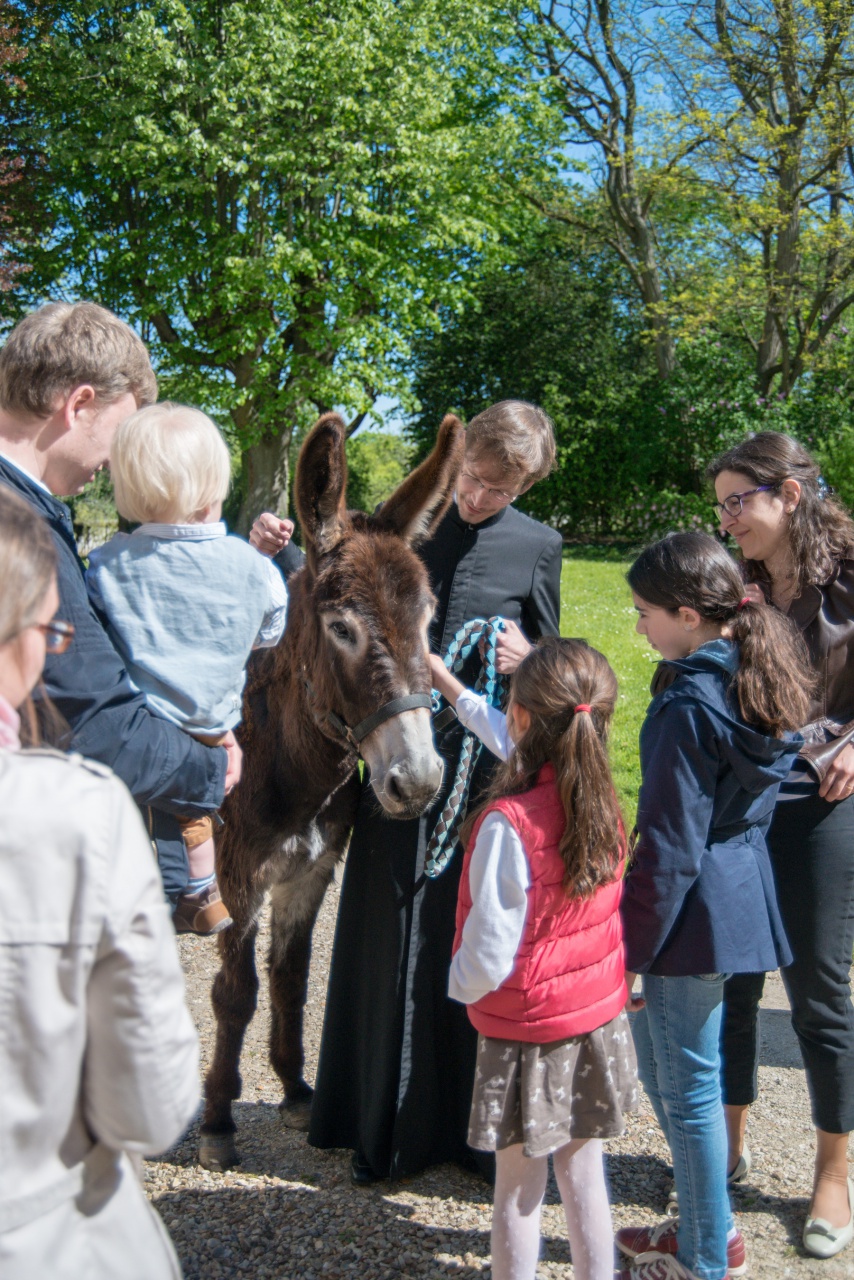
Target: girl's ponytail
column 774, row 682
column 570, row 692
column 593, row 842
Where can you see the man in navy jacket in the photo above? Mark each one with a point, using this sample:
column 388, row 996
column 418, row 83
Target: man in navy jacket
column 69, row 374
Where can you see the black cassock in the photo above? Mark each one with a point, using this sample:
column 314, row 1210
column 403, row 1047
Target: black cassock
column 396, row 1066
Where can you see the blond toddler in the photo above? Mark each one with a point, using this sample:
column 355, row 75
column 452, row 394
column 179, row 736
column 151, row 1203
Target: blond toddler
column 185, row 602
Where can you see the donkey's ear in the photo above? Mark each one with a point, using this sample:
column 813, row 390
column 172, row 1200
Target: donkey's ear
column 321, row 481
column 416, row 506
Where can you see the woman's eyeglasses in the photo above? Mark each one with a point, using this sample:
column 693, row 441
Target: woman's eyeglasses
column 57, row 635
column 733, row 504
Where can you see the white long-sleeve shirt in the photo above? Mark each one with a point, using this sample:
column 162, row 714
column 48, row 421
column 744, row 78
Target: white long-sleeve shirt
column 498, row 877
column 487, row 722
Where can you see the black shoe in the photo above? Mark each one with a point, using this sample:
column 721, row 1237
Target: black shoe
column 361, row 1173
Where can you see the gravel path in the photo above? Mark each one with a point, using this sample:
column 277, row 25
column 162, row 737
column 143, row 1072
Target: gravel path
column 290, row 1211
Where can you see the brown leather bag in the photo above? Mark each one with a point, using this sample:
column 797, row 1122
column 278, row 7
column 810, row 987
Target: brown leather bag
column 819, row 756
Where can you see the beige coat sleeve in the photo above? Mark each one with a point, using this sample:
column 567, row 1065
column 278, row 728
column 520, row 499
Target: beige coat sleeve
column 141, row 1074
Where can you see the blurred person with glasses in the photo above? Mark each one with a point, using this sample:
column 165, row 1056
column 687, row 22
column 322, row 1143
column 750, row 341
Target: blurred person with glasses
column 98, row 1053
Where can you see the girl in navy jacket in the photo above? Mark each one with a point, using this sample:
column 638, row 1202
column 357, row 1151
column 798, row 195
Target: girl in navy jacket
column 699, row 900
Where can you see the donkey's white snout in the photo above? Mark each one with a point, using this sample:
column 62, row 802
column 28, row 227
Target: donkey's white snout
column 413, row 788
column 406, row 771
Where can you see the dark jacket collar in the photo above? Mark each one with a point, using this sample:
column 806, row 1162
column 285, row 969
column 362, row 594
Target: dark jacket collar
column 53, row 509
column 805, row 607
column 715, row 655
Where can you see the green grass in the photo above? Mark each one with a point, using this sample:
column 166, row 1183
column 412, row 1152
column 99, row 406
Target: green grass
column 596, row 604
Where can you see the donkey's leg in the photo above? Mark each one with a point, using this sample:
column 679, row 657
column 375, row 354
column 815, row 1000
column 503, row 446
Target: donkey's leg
column 296, row 903
column 234, row 997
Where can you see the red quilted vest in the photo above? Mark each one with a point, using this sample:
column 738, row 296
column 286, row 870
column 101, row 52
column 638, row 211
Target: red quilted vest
column 569, row 973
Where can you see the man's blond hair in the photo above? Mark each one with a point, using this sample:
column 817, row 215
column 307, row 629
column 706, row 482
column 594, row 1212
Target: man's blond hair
column 516, row 436
column 65, row 345
column 168, row 462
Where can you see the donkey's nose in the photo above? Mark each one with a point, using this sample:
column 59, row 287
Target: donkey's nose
column 411, row 788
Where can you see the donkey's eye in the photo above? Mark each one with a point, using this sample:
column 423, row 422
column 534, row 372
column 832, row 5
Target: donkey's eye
column 341, row 632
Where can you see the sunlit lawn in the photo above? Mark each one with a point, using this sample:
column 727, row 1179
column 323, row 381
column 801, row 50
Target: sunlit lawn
column 596, row 604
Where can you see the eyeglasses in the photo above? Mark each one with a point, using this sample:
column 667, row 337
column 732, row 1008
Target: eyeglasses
column 57, row 635
column 733, row 504
column 494, row 495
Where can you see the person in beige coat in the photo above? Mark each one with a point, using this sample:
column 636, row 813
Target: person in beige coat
column 98, row 1053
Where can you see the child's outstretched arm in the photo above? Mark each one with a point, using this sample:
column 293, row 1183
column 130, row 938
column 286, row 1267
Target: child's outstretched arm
column 444, row 680
column 485, row 721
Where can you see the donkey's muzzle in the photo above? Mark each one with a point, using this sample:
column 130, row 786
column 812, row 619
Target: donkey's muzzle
column 410, row 793
column 406, row 770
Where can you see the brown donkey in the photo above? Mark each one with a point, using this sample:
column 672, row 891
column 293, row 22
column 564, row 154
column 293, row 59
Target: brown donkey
column 350, row 676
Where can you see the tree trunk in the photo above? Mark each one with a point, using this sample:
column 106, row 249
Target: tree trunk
column 266, row 467
column 632, row 221
column 772, row 357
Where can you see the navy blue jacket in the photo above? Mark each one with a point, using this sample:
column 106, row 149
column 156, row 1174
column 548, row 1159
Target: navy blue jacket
column 699, row 897
column 161, row 766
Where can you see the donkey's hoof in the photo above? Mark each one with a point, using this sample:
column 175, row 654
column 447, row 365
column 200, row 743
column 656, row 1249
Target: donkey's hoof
column 218, row 1152
column 295, row 1107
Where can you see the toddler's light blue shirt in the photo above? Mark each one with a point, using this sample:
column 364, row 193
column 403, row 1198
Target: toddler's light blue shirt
column 185, row 605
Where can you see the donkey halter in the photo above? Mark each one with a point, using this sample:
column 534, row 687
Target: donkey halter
column 354, row 735
column 444, row 838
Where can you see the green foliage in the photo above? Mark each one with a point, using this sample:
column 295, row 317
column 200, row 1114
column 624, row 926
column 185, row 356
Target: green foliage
column 278, row 192
column 94, row 513
column 554, row 328
column 558, row 328
column 715, row 140
column 377, row 462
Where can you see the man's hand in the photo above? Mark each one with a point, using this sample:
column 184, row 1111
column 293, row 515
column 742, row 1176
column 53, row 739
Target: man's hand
column 235, row 762
column 839, row 780
column 634, row 1003
column 269, row 534
column 512, row 645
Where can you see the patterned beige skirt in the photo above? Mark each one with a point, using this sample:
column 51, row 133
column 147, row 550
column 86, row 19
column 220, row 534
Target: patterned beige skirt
column 543, row 1095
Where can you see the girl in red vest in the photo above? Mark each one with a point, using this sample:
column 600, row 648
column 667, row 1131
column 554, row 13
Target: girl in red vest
column 538, row 954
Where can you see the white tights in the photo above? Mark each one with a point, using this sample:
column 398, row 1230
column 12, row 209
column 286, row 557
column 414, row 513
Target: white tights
column 520, row 1185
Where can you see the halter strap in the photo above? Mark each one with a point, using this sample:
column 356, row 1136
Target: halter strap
column 356, row 735
column 387, row 710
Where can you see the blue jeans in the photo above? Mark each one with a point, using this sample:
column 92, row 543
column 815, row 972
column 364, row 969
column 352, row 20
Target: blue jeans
column 676, row 1039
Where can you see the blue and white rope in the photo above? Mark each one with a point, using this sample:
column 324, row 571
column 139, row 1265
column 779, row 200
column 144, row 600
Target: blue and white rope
column 443, row 841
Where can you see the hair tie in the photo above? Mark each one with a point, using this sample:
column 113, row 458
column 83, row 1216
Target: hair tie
column 582, row 706
column 744, row 602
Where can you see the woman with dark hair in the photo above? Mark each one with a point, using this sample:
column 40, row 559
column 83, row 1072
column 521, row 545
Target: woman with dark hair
column 797, row 545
